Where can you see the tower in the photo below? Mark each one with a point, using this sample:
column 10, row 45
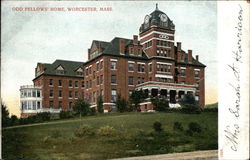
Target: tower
column 157, row 34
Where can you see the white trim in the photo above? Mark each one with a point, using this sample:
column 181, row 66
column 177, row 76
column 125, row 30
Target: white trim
column 92, row 106
column 101, row 60
column 157, row 32
column 141, row 63
column 149, row 63
column 131, row 61
column 108, row 103
column 163, row 63
column 163, row 76
column 163, row 46
column 145, row 103
column 157, row 39
column 183, row 67
column 114, row 60
column 90, row 66
column 196, row 69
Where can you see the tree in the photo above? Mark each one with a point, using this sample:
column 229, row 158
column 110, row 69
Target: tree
column 136, row 98
column 160, row 104
column 188, row 99
column 5, row 116
column 14, row 120
column 121, row 104
column 100, row 104
column 81, row 107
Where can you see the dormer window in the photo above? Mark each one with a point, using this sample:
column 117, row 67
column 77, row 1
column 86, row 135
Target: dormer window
column 79, row 72
column 60, row 70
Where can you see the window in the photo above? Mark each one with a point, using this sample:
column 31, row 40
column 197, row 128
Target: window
column 90, row 84
column 183, row 72
column 51, row 82
column 34, row 105
column 33, row 93
column 101, row 79
column 113, row 65
column 61, row 72
column 130, row 80
column 93, row 74
column 70, row 105
column 113, row 95
column 76, row 84
column 113, row 79
column 150, row 68
column 59, row 83
column 60, row 105
column 131, row 67
column 38, row 104
column 97, row 80
column 51, row 93
column 76, row 94
column 51, row 104
column 70, row 83
column 101, row 65
column 60, row 93
column 70, row 94
column 89, row 70
column 82, row 84
column 79, row 73
column 138, row 80
column 97, row 66
column 141, row 67
column 197, row 73
column 38, row 94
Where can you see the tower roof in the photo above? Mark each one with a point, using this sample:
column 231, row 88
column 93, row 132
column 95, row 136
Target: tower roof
column 157, row 19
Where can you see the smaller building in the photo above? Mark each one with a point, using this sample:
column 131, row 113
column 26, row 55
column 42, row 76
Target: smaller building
column 30, row 100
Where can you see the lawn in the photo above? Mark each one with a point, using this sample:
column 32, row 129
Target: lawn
column 133, row 136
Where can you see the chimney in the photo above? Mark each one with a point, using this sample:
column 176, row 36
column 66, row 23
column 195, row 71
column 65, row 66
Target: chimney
column 88, row 53
column 99, row 48
column 178, row 46
column 189, row 56
column 197, row 58
column 122, row 46
column 135, row 40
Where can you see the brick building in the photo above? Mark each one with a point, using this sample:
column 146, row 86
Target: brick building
column 151, row 62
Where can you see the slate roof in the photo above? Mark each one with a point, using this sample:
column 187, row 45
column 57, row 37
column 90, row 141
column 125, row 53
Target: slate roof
column 70, row 68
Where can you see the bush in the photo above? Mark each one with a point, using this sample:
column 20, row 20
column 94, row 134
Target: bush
column 44, row 116
column 106, row 131
column 195, row 127
column 56, row 134
column 209, row 109
column 157, row 126
column 160, row 104
column 178, row 126
column 83, row 130
column 65, row 114
column 190, row 108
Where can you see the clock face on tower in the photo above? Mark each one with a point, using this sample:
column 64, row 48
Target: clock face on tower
column 146, row 19
column 163, row 17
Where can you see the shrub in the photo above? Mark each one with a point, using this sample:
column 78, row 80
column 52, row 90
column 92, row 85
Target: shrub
column 157, row 126
column 209, row 110
column 178, row 126
column 106, row 131
column 65, row 114
column 190, row 108
column 160, row 104
column 44, row 116
column 195, row 127
column 56, row 134
column 83, row 130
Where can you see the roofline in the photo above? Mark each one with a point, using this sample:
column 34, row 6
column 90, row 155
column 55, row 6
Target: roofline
column 46, row 74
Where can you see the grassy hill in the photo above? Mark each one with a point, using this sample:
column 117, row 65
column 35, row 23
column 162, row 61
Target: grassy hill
column 133, row 135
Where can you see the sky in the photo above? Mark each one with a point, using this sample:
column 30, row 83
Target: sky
column 29, row 37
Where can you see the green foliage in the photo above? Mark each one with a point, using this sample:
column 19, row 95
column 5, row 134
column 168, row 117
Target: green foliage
column 100, row 104
column 136, row 98
column 14, row 120
column 5, row 116
column 121, row 104
column 56, row 133
column 65, row 114
column 191, row 109
column 193, row 127
column 178, row 126
column 188, row 99
column 81, row 107
column 157, row 126
column 160, row 104
column 106, row 131
column 83, row 130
